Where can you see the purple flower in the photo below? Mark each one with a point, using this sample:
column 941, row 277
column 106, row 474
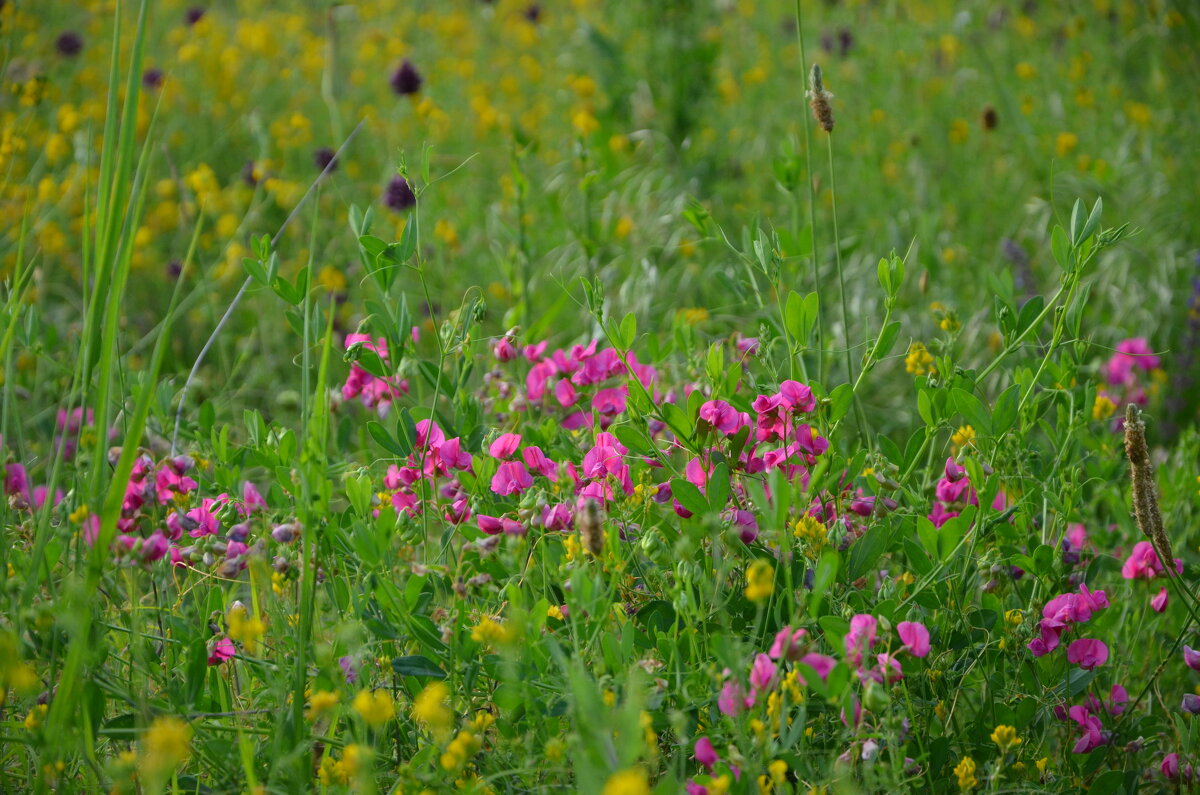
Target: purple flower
column 349, row 669
column 69, row 44
column 193, row 15
column 1192, row 658
column 152, row 78
column 706, row 755
column 324, row 158
column 1087, row 653
column 399, row 196
column 406, row 79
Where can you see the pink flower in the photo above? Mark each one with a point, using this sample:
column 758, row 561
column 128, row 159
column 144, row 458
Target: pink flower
column 861, row 636
column 820, row 663
column 1133, row 353
column 762, row 672
column 221, row 651
column 1170, row 766
column 493, row 525
column 511, row 478
column 706, row 755
column 721, row 416
column 505, row 445
column 565, row 394
column 1158, row 603
column 503, row 349
column 1192, row 658
column 915, row 637
column 797, row 397
column 1087, row 653
column 536, row 460
column 1143, row 563
column 787, row 644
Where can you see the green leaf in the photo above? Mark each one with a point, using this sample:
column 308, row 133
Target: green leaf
column 254, row 269
column 628, row 330
column 689, row 496
column 1077, row 223
column 1093, row 221
column 718, row 488
column 370, row 361
column 972, row 409
column 840, row 401
column 1061, row 248
column 929, row 536
column 925, row 407
column 866, row 550
column 812, row 310
column 385, row 440
column 1005, row 412
column 887, row 339
column 793, row 316
column 417, row 665
column 408, row 240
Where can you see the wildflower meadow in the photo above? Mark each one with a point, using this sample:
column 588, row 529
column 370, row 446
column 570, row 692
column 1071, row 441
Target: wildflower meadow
column 654, row 396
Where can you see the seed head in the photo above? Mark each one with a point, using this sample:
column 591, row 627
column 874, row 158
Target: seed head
column 819, row 98
column 1145, row 492
column 591, row 527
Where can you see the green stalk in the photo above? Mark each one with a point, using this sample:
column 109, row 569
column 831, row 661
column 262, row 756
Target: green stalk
column 812, row 202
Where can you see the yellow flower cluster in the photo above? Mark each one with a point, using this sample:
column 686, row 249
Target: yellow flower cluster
column 760, row 581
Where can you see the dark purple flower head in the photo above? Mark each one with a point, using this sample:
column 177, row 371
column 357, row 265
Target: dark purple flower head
column 174, row 268
column 152, row 78
column 406, row 80
column 193, row 15
column 533, row 13
column 248, row 174
column 399, row 196
column 324, row 158
column 69, row 44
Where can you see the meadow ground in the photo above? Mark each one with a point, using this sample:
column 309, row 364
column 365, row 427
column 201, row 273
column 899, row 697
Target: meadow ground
column 707, row 396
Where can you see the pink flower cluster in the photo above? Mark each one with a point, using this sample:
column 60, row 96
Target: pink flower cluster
column 1058, row 616
column 568, row 376
column 375, row 393
column 1143, row 564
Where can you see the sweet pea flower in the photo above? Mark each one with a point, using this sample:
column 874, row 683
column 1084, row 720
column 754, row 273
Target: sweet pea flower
column 706, row 755
column 1087, row 653
column 915, row 637
column 221, row 651
column 1192, row 658
column 1158, row 602
column 505, row 445
column 762, row 672
column 511, row 478
column 787, row 644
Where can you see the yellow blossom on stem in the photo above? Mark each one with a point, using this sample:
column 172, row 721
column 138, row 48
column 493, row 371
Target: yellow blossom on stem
column 965, row 770
column 375, row 706
column 760, row 581
column 1005, row 737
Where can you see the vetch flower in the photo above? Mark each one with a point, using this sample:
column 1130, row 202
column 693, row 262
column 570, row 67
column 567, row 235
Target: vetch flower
column 915, row 637
column 706, row 755
column 1005, row 737
column 375, row 707
column 1088, row 653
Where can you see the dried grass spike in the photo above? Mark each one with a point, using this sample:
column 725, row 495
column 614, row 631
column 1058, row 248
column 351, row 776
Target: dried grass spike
column 1145, row 493
column 591, row 528
column 819, row 98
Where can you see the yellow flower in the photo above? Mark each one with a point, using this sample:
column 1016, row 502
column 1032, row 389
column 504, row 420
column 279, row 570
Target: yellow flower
column 1042, row 764
column 918, row 360
column 321, row 702
column 1005, row 737
column 628, row 782
column 430, row 707
column 624, row 227
column 375, row 706
column 490, row 632
column 584, row 122
column 966, row 774
column 244, row 629
column 1103, row 408
column 36, row 717
column 1065, row 143
column 815, row 535
column 167, row 743
column 1014, row 618
column 1026, row 70
column 760, row 581
column 959, row 131
column 555, row 750
column 963, row 437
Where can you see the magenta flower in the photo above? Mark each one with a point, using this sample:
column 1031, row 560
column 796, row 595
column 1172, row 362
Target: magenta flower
column 706, row 755
column 762, row 672
column 1158, row 602
column 505, row 445
column 1132, row 354
column 1087, row 653
column 511, row 478
column 221, row 651
column 722, row 417
column 797, row 397
column 787, row 644
column 861, row 637
column 494, row 525
column 1192, row 658
column 915, row 637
